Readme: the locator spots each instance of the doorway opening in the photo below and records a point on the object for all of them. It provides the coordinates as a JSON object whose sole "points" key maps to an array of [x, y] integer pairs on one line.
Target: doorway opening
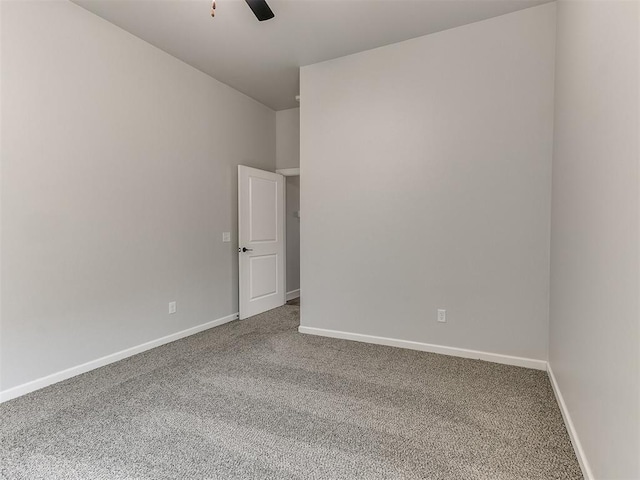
{"points": [[292, 234]]}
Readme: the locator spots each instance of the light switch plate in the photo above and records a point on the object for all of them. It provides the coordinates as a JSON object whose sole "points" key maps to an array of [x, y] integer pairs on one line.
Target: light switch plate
{"points": [[226, 236]]}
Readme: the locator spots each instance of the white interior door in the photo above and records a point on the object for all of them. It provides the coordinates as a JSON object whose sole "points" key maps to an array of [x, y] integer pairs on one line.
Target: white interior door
{"points": [[260, 240]]}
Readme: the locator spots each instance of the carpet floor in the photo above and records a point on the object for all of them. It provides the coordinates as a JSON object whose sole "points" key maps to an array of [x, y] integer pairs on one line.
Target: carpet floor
{"points": [[257, 399]]}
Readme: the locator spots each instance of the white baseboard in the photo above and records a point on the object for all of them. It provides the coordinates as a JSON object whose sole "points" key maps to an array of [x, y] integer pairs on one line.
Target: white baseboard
{"points": [[293, 294], [573, 435], [427, 347], [106, 360]]}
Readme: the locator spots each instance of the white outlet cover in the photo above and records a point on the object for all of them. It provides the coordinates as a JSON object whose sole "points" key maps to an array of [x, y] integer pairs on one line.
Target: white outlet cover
{"points": [[442, 315], [173, 307]]}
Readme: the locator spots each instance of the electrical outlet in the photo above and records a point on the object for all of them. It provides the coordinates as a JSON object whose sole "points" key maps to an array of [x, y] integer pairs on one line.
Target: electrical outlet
{"points": [[173, 307], [442, 315], [226, 236]]}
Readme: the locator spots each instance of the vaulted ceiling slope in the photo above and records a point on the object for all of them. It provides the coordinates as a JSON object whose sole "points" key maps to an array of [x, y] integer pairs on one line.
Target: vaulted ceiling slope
{"points": [[262, 59]]}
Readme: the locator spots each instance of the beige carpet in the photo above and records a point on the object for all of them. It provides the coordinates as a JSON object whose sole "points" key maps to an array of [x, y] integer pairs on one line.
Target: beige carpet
{"points": [[256, 399]]}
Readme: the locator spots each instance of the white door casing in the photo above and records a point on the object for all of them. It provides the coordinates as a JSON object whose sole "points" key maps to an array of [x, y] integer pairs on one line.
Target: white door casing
{"points": [[260, 241]]}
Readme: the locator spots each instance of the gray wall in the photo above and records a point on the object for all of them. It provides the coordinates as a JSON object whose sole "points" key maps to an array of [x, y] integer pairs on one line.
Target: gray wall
{"points": [[118, 179], [594, 347], [288, 156], [426, 184], [288, 138]]}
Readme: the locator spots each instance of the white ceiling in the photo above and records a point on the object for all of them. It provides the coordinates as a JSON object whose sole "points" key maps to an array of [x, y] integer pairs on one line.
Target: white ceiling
{"points": [[261, 59]]}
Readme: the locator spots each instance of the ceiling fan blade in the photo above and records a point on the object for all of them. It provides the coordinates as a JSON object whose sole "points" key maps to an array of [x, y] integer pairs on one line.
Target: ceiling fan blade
{"points": [[260, 9]]}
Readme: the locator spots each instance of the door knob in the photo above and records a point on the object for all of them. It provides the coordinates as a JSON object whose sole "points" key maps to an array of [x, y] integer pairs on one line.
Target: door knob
{"points": [[245, 249]]}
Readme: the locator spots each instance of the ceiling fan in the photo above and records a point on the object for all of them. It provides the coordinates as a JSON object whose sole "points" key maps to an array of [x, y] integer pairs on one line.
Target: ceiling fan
{"points": [[259, 8]]}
